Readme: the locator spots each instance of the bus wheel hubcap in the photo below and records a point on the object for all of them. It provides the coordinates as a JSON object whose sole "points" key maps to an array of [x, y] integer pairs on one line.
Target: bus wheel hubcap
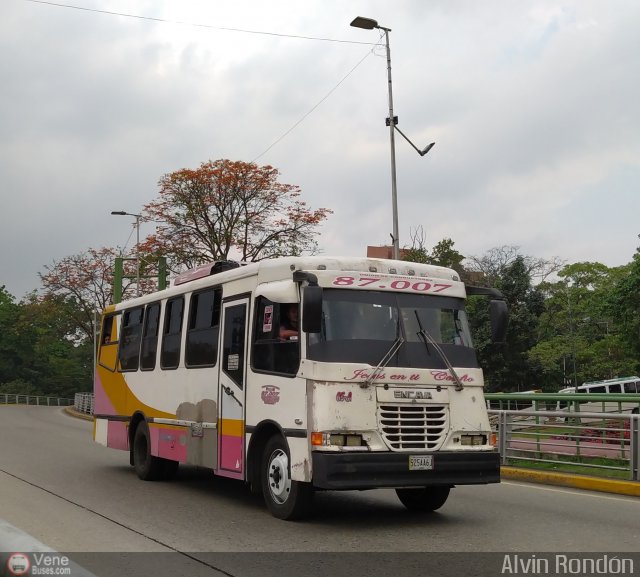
{"points": [[279, 481]]}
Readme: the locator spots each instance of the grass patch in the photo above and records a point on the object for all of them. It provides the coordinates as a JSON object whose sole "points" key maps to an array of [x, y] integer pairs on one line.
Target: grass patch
{"points": [[542, 432], [577, 465]]}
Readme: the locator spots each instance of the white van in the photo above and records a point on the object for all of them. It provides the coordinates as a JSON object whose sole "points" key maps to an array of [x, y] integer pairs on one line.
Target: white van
{"points": [[619, 385]]}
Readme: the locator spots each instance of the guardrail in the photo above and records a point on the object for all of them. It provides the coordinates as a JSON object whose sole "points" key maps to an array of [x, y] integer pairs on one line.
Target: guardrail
{"points": [[593, 443], [83, 403], [571, 402], [7, 399]]}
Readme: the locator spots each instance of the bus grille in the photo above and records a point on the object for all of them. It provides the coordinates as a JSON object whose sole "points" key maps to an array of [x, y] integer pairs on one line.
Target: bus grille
{"points": [[411, 427]]}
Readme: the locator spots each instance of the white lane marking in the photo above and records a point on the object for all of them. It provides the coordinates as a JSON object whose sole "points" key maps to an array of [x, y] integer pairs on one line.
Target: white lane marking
{"points": [[581, 492]]}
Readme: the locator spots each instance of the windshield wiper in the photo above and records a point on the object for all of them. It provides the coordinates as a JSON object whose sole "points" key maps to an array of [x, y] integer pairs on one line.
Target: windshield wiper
{"points": [[395, 347], [429, 340]]}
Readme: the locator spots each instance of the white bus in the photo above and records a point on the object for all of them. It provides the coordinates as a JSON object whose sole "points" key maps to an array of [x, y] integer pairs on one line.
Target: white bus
{"points": [[378, 387], [608, 386], [618, 385]]}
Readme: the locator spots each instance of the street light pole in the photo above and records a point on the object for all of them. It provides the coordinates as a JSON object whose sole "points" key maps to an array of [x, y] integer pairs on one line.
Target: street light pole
{"points": [[392, 121], [137, 225]]}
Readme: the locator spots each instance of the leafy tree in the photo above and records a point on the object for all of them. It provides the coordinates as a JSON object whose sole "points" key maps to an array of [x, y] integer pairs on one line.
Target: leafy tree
{"points": [[442, 254], [507, 366], [223, 207], [492, 264], [41, 354], [61, 363], [579, 339], [11, 359], [85, 280], [623, 304]]}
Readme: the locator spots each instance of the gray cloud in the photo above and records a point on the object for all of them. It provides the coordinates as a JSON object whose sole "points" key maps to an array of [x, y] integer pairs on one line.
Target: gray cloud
{"points": [[532, 104]]}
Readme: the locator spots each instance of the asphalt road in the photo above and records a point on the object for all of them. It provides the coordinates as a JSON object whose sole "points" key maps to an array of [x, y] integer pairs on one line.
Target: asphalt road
{"points": [[74, 495]]}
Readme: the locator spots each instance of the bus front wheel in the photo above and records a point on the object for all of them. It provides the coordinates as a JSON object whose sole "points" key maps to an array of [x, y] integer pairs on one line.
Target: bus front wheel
{"points": [[423, 499], [285, 498]]}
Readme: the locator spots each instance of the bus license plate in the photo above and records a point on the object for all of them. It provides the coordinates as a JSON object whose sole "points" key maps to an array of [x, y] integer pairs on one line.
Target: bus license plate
{"points": [[420, 462]]}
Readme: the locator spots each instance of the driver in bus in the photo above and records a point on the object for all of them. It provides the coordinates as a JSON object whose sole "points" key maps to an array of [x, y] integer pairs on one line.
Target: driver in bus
{"points": [[289, 323]]}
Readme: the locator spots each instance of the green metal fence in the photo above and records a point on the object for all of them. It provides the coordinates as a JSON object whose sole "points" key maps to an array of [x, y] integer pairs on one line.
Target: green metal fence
{"points": [[591, 434]]}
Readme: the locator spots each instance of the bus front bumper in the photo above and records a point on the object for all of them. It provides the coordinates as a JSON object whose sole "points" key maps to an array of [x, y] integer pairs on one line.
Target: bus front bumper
{"points": [[341, 471]]}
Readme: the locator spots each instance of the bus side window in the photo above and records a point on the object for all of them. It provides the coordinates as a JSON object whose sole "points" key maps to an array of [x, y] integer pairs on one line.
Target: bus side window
{"points": [[109, 341], [172, 334], [149, 346], [110, 327], [201, 349], [271, 353], [129, 350]]}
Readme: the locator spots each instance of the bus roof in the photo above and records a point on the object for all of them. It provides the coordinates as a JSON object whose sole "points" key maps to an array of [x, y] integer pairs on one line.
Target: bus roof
{"points": [[270, 270]]}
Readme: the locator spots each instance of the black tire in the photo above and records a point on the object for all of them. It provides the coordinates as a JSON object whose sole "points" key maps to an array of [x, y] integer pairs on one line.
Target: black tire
{"points": [[423, 499], [169, 469], [148, 467], [285, 499]]}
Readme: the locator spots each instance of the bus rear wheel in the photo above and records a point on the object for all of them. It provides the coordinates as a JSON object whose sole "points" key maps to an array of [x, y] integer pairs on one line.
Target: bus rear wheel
{"points": [[148, 467], [285, 498], [423, 499]]}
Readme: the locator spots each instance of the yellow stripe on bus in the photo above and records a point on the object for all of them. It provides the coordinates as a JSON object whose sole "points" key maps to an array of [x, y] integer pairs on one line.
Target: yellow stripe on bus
{"points": [[231, 427]]}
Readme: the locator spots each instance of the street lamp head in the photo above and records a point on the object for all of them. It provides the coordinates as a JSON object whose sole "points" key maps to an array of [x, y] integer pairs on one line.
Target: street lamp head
{"points": [[120, 212], [426, 149], [366, 23]]}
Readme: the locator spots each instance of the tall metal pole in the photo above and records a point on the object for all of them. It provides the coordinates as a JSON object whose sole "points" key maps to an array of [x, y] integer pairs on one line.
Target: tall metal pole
{"points": [[118, 283], [137, 255], [392, 122]]}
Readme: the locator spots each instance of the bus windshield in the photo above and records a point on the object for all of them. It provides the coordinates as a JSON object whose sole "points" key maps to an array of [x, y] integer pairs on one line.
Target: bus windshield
{"points": [[360, 326]]}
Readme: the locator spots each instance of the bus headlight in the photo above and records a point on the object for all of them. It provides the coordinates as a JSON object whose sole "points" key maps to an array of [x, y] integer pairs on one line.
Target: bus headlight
{"points": [[473, 440], [336, 440]]}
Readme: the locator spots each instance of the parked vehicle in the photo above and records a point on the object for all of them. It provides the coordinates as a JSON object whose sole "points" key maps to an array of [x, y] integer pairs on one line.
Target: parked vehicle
{"points": [[619, 385]]}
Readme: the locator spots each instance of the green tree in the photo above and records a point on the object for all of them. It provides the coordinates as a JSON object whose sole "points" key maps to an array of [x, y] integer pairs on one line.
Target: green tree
{"points": [[442, 254], [62, 356], [579, 339], [40, 352], [11, 340], [623, 304], [507, 366]]}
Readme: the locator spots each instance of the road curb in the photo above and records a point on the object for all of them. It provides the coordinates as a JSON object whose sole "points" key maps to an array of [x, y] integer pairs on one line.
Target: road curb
{"points": [[631, 488], [73, 413]]}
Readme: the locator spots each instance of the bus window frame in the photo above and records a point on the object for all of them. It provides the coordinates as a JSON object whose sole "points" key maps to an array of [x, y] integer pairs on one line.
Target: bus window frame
{"points": [[274, 341], [217, 298], [115, 319], [165, 325], [121, 339], [156, 336]]}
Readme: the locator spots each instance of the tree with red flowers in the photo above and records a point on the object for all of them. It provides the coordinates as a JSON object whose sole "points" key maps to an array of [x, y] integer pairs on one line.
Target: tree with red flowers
{"points": [[229, 209], [86, 280]]}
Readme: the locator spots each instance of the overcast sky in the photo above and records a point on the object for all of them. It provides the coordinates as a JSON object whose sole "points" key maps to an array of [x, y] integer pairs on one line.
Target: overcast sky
{"points": [[534, 108]]}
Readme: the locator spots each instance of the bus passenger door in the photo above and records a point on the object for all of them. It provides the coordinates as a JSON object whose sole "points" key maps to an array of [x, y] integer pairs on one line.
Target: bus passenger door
{"points": [[232, 389]]}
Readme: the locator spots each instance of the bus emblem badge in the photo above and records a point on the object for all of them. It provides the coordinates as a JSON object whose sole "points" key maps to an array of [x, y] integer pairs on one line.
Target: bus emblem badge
{"points": [[412, 394], [270, 394]]}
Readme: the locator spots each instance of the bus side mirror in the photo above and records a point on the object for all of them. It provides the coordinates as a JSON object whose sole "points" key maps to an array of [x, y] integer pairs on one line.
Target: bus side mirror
{"points": [[312, 309], [499, 320]]}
